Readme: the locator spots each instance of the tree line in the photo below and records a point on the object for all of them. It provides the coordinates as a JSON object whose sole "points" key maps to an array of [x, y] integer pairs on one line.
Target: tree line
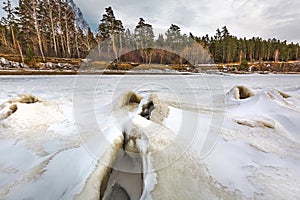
{"points": [[227, 48], [56, 28], [140, 45], [45, 28]]}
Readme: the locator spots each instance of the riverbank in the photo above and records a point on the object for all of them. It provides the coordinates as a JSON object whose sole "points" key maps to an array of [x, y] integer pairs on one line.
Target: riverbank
{"points": [[94, 72], [61, 66], [117, 72]]}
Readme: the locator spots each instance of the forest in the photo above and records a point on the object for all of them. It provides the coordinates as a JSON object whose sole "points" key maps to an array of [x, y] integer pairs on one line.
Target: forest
{"points": [[57, 28]]}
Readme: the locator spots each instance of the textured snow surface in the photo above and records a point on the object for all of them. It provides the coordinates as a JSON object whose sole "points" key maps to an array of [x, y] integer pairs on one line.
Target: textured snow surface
{"points": [[48, 153]]}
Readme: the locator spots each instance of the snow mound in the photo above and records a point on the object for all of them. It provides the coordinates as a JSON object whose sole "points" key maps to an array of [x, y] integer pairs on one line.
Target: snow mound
{"points": [[274, 104], [268, 99], [26, 98], [29, 112], [261, 139], [240, 92], [10, 107], [127, 99]]}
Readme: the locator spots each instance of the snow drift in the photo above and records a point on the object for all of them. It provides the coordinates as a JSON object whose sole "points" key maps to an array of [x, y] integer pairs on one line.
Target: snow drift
{"points": [[11, 106], [261, 141]]}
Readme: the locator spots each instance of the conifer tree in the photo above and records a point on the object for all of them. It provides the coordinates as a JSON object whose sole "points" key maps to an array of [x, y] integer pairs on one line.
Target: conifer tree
{"points": [[144, 37], [110, 27]]}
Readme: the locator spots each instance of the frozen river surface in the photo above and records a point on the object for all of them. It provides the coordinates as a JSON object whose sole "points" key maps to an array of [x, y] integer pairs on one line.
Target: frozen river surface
{"points": [[171, 137]]}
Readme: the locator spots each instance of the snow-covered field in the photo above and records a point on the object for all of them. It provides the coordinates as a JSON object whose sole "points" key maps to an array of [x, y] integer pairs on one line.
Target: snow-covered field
{"points": [[172, 137]]}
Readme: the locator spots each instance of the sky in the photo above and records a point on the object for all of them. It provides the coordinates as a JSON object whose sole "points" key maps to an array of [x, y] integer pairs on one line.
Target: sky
{"points": [[243, 18]]}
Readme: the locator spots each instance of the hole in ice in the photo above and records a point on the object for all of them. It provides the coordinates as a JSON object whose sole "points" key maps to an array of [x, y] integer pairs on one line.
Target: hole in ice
{"points": [[147, 109]]}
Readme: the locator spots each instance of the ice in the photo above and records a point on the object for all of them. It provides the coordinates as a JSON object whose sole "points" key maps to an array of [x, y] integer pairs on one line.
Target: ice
{"points": [[65, 176], [47, 151]]}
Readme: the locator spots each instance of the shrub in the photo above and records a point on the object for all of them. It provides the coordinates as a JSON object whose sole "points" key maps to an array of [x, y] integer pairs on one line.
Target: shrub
{"points": [[243, 66]]}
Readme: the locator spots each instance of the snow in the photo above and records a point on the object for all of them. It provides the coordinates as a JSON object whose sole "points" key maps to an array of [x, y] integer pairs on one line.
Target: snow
{"points": [[65, 183], [49, 152], [260, 134]]}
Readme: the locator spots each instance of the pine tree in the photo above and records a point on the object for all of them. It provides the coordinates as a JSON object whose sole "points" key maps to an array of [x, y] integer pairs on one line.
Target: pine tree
{"points": [[110, 27], [144, 37], [174, 39], [9, 20], [160, 42], [144, 34], [10, 23], [129, 42]]}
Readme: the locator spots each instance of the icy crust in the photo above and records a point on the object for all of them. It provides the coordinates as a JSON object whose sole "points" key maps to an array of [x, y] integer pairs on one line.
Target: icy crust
{"points": [[259, 152], [139, 128], [96, 183], [257, 156], [30, 122], [271, 109], [165, 165], [41, 155]]}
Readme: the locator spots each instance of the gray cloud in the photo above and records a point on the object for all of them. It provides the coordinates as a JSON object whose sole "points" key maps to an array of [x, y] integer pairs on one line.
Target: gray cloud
{"points": [[267, 18]]}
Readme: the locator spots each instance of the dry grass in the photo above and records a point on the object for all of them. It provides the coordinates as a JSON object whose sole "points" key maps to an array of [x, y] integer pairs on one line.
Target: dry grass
{"points": [[100, 65], [152, 66]]}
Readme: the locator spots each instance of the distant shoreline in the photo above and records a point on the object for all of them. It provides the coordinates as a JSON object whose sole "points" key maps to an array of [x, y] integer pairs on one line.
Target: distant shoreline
{"points": [[116, 72], [62, 66], [68, 72]]}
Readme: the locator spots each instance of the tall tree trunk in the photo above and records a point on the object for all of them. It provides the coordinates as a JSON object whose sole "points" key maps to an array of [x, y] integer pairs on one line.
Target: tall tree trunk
{"points": [[67, 36], [20, 51], [241, 55], [276, 55], [251, 54], [161, 57], [61, 30], [268, 54], [114, 46], [77, 47], [121, 45], [3, 37], [57, 43], [99, 47], [53, 30], [37, 29], [13, 37]]}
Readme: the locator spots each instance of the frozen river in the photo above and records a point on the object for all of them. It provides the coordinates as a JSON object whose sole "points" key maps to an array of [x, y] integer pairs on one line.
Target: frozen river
{"points": [[171, 137]]}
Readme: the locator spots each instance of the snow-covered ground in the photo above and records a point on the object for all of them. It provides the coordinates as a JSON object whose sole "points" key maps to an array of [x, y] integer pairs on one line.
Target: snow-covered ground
{"points": [[185, 137]]}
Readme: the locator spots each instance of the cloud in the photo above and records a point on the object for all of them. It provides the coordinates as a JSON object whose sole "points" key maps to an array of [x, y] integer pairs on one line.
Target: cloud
{"points": [[267, 19]]}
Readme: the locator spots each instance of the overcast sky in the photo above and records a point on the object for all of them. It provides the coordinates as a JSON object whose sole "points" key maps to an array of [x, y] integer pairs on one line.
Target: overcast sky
{"points": [[265, 18]]}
